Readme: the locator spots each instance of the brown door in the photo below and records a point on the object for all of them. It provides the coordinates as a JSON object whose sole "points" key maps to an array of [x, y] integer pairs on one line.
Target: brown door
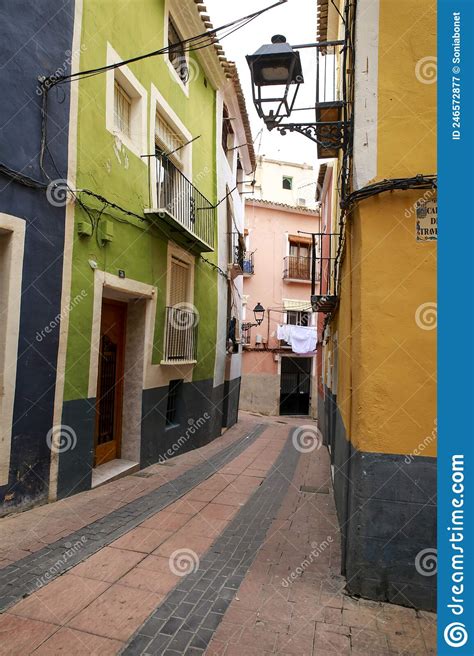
{"points": [[108, 427]]}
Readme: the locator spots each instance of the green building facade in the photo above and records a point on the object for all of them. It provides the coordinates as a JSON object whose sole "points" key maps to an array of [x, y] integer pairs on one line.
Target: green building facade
{"points": [[138, 348]]}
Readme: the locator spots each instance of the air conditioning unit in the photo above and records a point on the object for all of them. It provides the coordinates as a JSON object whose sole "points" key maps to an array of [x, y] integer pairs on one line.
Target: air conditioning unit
{"points": [[258, 339], [302, 202]]}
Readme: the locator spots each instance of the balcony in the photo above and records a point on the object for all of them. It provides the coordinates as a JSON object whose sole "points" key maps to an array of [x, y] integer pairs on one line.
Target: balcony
{"points": [[236, 254], [187, 216], [247, 264], [297, 268], [330, 104], [180, 336], [328, 272]]}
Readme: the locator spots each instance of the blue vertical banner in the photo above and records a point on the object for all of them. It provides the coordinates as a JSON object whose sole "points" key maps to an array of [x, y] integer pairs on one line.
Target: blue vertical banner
{"points": [[455, 327]]}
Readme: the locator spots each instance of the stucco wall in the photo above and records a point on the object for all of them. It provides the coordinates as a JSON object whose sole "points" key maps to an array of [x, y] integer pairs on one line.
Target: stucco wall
{"points": [[29, 47]]}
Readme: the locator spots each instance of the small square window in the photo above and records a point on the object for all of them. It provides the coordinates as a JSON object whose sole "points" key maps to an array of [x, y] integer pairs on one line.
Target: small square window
{"points": [[287, 182], [122, 109], [172, 404], [176, 53]]}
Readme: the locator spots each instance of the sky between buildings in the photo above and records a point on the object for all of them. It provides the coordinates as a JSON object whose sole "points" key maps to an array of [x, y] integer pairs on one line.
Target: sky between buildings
{"points": [[297, 21]]}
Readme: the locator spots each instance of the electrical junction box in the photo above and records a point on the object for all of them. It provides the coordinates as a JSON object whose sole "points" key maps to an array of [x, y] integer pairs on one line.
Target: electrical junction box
{"points": [[106, 230], [84, 229]]}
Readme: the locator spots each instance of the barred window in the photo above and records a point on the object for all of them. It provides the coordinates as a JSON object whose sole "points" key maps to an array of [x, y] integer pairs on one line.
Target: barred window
{"points": [[172, 402]]}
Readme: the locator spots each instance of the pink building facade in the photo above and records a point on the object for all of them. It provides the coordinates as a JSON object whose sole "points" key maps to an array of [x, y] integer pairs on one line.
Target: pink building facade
{"points": [[275, 379]]}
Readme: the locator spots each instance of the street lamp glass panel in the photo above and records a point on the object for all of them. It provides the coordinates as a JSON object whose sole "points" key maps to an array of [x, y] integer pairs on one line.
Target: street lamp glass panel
{"points": [[274, 75]]}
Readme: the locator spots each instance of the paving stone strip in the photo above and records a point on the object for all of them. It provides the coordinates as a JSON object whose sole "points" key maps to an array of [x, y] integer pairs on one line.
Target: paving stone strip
{"points": [[187, 619], [32, 572]]}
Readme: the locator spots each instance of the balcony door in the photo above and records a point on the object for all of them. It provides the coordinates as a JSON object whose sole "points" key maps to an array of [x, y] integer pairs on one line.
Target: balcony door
{"points": [[299, 262], [109, 402]]}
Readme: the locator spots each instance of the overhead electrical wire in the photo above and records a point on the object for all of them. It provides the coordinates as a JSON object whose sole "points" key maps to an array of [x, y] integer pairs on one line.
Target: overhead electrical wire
{"points": [[194, 42]]}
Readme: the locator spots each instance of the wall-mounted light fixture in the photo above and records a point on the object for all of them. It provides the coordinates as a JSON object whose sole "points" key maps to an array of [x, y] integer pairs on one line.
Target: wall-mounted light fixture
{"points": [[258, 313]]}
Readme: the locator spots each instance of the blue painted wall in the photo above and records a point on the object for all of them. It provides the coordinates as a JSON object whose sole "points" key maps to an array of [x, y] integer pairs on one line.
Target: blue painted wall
{"points": [[35, 39]]}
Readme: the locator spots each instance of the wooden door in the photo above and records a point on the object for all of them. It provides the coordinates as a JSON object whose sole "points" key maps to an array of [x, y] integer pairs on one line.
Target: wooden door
{"points": [[109, 403]]}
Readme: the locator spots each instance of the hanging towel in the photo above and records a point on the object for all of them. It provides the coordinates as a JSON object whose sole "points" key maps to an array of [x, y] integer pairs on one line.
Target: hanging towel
{"points": [[283, 333], [302, 339]]}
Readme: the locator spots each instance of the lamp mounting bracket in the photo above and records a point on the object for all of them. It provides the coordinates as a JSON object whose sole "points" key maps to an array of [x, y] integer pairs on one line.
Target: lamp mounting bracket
{"points": [[328, 135]]}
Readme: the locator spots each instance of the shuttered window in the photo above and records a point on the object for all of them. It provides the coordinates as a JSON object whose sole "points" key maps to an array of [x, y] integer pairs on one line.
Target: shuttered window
{"points": [[179, 284], [122, 109]]}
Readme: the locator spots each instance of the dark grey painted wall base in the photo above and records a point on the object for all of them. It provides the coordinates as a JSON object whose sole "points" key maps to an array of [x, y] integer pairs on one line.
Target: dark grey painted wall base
{"points": [[202, 410], [386, 506]]}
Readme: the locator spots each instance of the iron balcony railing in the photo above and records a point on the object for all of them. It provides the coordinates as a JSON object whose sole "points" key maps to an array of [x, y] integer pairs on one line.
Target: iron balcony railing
{"points": [[180, 335], [248, 264], [237, 250], [327, 271], [179, 198], [297, 267], [330, 100]]}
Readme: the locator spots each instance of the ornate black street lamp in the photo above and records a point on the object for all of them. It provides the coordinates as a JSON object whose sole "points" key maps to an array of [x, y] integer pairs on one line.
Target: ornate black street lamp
{"points": [[277, 65], [258, 313]]}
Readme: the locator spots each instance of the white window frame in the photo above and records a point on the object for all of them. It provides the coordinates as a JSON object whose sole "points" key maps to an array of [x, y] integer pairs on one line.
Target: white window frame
{"points": [[170, 14], [158, 105], [124, 77], [10, 319]]}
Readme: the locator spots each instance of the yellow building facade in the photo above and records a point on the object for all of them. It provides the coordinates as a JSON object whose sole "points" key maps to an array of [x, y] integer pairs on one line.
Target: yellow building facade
{"points": [[377, 367]]}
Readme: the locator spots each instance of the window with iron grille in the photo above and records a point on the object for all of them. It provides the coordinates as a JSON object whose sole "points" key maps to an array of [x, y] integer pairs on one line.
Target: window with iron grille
{"points": [[298, 318], [247, 336], [176, 53], [174, 390], [122, 109]]}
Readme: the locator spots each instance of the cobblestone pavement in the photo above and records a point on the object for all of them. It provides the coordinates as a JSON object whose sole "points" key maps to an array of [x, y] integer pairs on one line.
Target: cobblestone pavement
{"points": [[238, 554]]}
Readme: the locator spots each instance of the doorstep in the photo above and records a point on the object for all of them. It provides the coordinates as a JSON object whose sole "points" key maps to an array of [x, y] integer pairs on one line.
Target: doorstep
{"points": [[112, 470]]}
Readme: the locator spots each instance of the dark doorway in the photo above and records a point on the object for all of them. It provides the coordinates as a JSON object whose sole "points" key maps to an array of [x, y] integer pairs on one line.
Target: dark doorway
{"points": [[295, 386], [110, 382]]}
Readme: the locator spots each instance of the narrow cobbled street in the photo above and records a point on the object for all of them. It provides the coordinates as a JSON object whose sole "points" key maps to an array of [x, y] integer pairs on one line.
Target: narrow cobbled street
{"points": [[230, 549]]}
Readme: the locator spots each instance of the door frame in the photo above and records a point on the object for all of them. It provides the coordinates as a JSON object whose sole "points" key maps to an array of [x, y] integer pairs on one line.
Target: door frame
{"points": [[310, 378], [108, 286]]}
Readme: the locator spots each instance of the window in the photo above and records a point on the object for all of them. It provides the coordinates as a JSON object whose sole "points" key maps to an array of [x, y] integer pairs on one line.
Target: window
{"points": [[298, 318], [169, 151], [300, 247], [176, 54], [247, 337], [227, 131], [126, 107], [168, 140], [287, 182], [179, 287], [122, 109], [181, 317], [174, 390]]}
